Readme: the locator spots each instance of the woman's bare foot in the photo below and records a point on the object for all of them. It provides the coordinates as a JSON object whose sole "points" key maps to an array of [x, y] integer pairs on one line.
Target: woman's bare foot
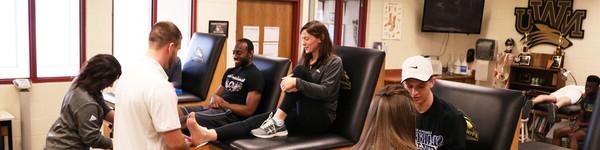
{"points": [[200, 135]]}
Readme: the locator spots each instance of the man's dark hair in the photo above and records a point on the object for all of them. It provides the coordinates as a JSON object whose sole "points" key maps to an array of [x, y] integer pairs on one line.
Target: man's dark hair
{"points": [[593, 79], [249, 45]]}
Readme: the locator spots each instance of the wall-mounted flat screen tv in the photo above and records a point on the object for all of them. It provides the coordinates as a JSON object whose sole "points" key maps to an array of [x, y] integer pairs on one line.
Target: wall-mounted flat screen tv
{"points": [[452, 16]]}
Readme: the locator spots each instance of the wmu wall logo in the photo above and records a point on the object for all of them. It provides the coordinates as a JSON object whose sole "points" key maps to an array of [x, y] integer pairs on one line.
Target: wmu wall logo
{"points": [[545, 20]]}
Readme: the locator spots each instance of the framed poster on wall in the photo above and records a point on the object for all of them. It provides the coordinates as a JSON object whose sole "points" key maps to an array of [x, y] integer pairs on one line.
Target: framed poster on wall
{"points": [[392, 21], [218, 27]]}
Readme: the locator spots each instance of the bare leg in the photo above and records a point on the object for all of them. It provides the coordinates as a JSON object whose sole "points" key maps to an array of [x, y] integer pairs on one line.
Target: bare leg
{"points": [[575, 137], [559, 133], [544, 99], [200, 135], [180, 112], [182, 118]]}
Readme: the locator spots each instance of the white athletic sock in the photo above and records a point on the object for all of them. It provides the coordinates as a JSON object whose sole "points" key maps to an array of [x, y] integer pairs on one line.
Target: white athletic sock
{"points": [[278, 121]]}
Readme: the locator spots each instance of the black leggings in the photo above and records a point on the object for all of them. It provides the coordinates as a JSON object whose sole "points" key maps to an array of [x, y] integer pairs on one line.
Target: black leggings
{"points": [[210, 118], [304, 115]]}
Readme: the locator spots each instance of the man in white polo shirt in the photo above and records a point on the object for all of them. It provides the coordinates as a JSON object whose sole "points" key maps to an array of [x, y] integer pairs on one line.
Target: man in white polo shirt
{"points": [[146, 109]]}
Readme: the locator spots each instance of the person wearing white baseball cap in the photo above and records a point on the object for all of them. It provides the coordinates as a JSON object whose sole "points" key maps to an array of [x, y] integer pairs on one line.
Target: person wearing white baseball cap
{"points": [[439, 124]]}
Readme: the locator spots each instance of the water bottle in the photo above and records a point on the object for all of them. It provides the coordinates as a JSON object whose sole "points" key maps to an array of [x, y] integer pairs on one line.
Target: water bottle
{"points": [[464, 67], [457, 66]]}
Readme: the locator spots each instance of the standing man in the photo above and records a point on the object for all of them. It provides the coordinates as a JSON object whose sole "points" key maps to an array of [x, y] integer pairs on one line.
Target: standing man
{"points": [[146, 110], [439, 124]]}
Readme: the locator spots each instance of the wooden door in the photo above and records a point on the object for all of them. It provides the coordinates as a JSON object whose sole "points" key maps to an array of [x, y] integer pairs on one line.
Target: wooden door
{"points": [[270, 13]]}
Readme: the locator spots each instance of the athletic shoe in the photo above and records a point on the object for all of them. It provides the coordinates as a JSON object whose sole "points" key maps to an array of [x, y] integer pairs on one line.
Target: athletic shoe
{"points": [[270, 129], [552, 113], [526, 109]]}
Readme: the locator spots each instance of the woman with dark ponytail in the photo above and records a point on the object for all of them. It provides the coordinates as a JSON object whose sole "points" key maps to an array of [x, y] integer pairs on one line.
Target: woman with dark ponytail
{"points": [[83, 107]]}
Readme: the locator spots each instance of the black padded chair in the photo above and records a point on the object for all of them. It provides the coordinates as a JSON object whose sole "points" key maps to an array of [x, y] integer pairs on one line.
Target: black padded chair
{"points": [[363, 67], [197, 73], [273, 69], [495, 112], [593, 134], [591, 139]]}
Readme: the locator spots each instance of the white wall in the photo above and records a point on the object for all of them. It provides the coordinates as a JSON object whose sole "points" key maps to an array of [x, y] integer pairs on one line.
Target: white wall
{"points": [[46, 98], [304, 18], [224, 10], [498, 23], [99, 28], [9, 102], [582, 58]]}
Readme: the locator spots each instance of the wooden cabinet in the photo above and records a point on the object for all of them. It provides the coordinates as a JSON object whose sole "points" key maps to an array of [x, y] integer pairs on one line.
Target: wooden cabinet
{"points": [[536, 76], [469, 79], [6, 135], [393, 76]]}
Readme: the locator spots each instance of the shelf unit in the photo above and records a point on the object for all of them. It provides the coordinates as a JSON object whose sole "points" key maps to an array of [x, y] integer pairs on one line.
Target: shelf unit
{"points": [[522, 77]]}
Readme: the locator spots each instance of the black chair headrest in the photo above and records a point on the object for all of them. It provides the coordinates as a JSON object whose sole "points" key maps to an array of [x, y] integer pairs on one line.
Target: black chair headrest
{"points": [[203, 56], [363, 67], [495, 112], [273, 69]]}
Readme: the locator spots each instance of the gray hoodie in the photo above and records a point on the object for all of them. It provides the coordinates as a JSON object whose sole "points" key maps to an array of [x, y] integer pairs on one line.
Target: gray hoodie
{"points": [[78, 126]]}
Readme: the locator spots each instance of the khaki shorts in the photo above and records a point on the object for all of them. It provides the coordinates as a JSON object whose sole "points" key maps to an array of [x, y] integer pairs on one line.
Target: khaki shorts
{"points": [[573, 92]]}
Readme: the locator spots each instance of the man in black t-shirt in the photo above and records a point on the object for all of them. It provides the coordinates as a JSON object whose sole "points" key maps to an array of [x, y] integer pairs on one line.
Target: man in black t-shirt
{"points": [[239, 94], [577, 131], [440, 126]]}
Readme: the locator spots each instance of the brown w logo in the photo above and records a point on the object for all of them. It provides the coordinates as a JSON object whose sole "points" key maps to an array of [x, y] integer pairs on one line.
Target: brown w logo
{"points": [[546, 35]]}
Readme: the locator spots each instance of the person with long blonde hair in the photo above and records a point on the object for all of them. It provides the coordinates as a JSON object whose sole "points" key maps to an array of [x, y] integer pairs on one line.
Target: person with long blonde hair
{"points": [[390, 122]]}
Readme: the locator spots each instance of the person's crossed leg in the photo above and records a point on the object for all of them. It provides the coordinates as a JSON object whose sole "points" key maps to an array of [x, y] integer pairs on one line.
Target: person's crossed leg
{"points": [[565, 96]]}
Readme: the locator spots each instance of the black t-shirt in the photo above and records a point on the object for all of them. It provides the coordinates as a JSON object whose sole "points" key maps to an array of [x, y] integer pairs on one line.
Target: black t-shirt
{"points": [[587, 105], [442, 127], [238, 81]]}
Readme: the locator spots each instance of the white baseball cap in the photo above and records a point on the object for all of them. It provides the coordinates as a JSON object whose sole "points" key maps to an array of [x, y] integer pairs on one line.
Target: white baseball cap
{"points": [[417, 67]]}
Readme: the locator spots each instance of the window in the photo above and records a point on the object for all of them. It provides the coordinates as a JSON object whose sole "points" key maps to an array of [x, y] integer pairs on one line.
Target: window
{"points": [[345, 20], [131, 24], [326, 14], [14, 58], [132, 21], [57, 38], [180, 13], [44, 43], [350, 23]]}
